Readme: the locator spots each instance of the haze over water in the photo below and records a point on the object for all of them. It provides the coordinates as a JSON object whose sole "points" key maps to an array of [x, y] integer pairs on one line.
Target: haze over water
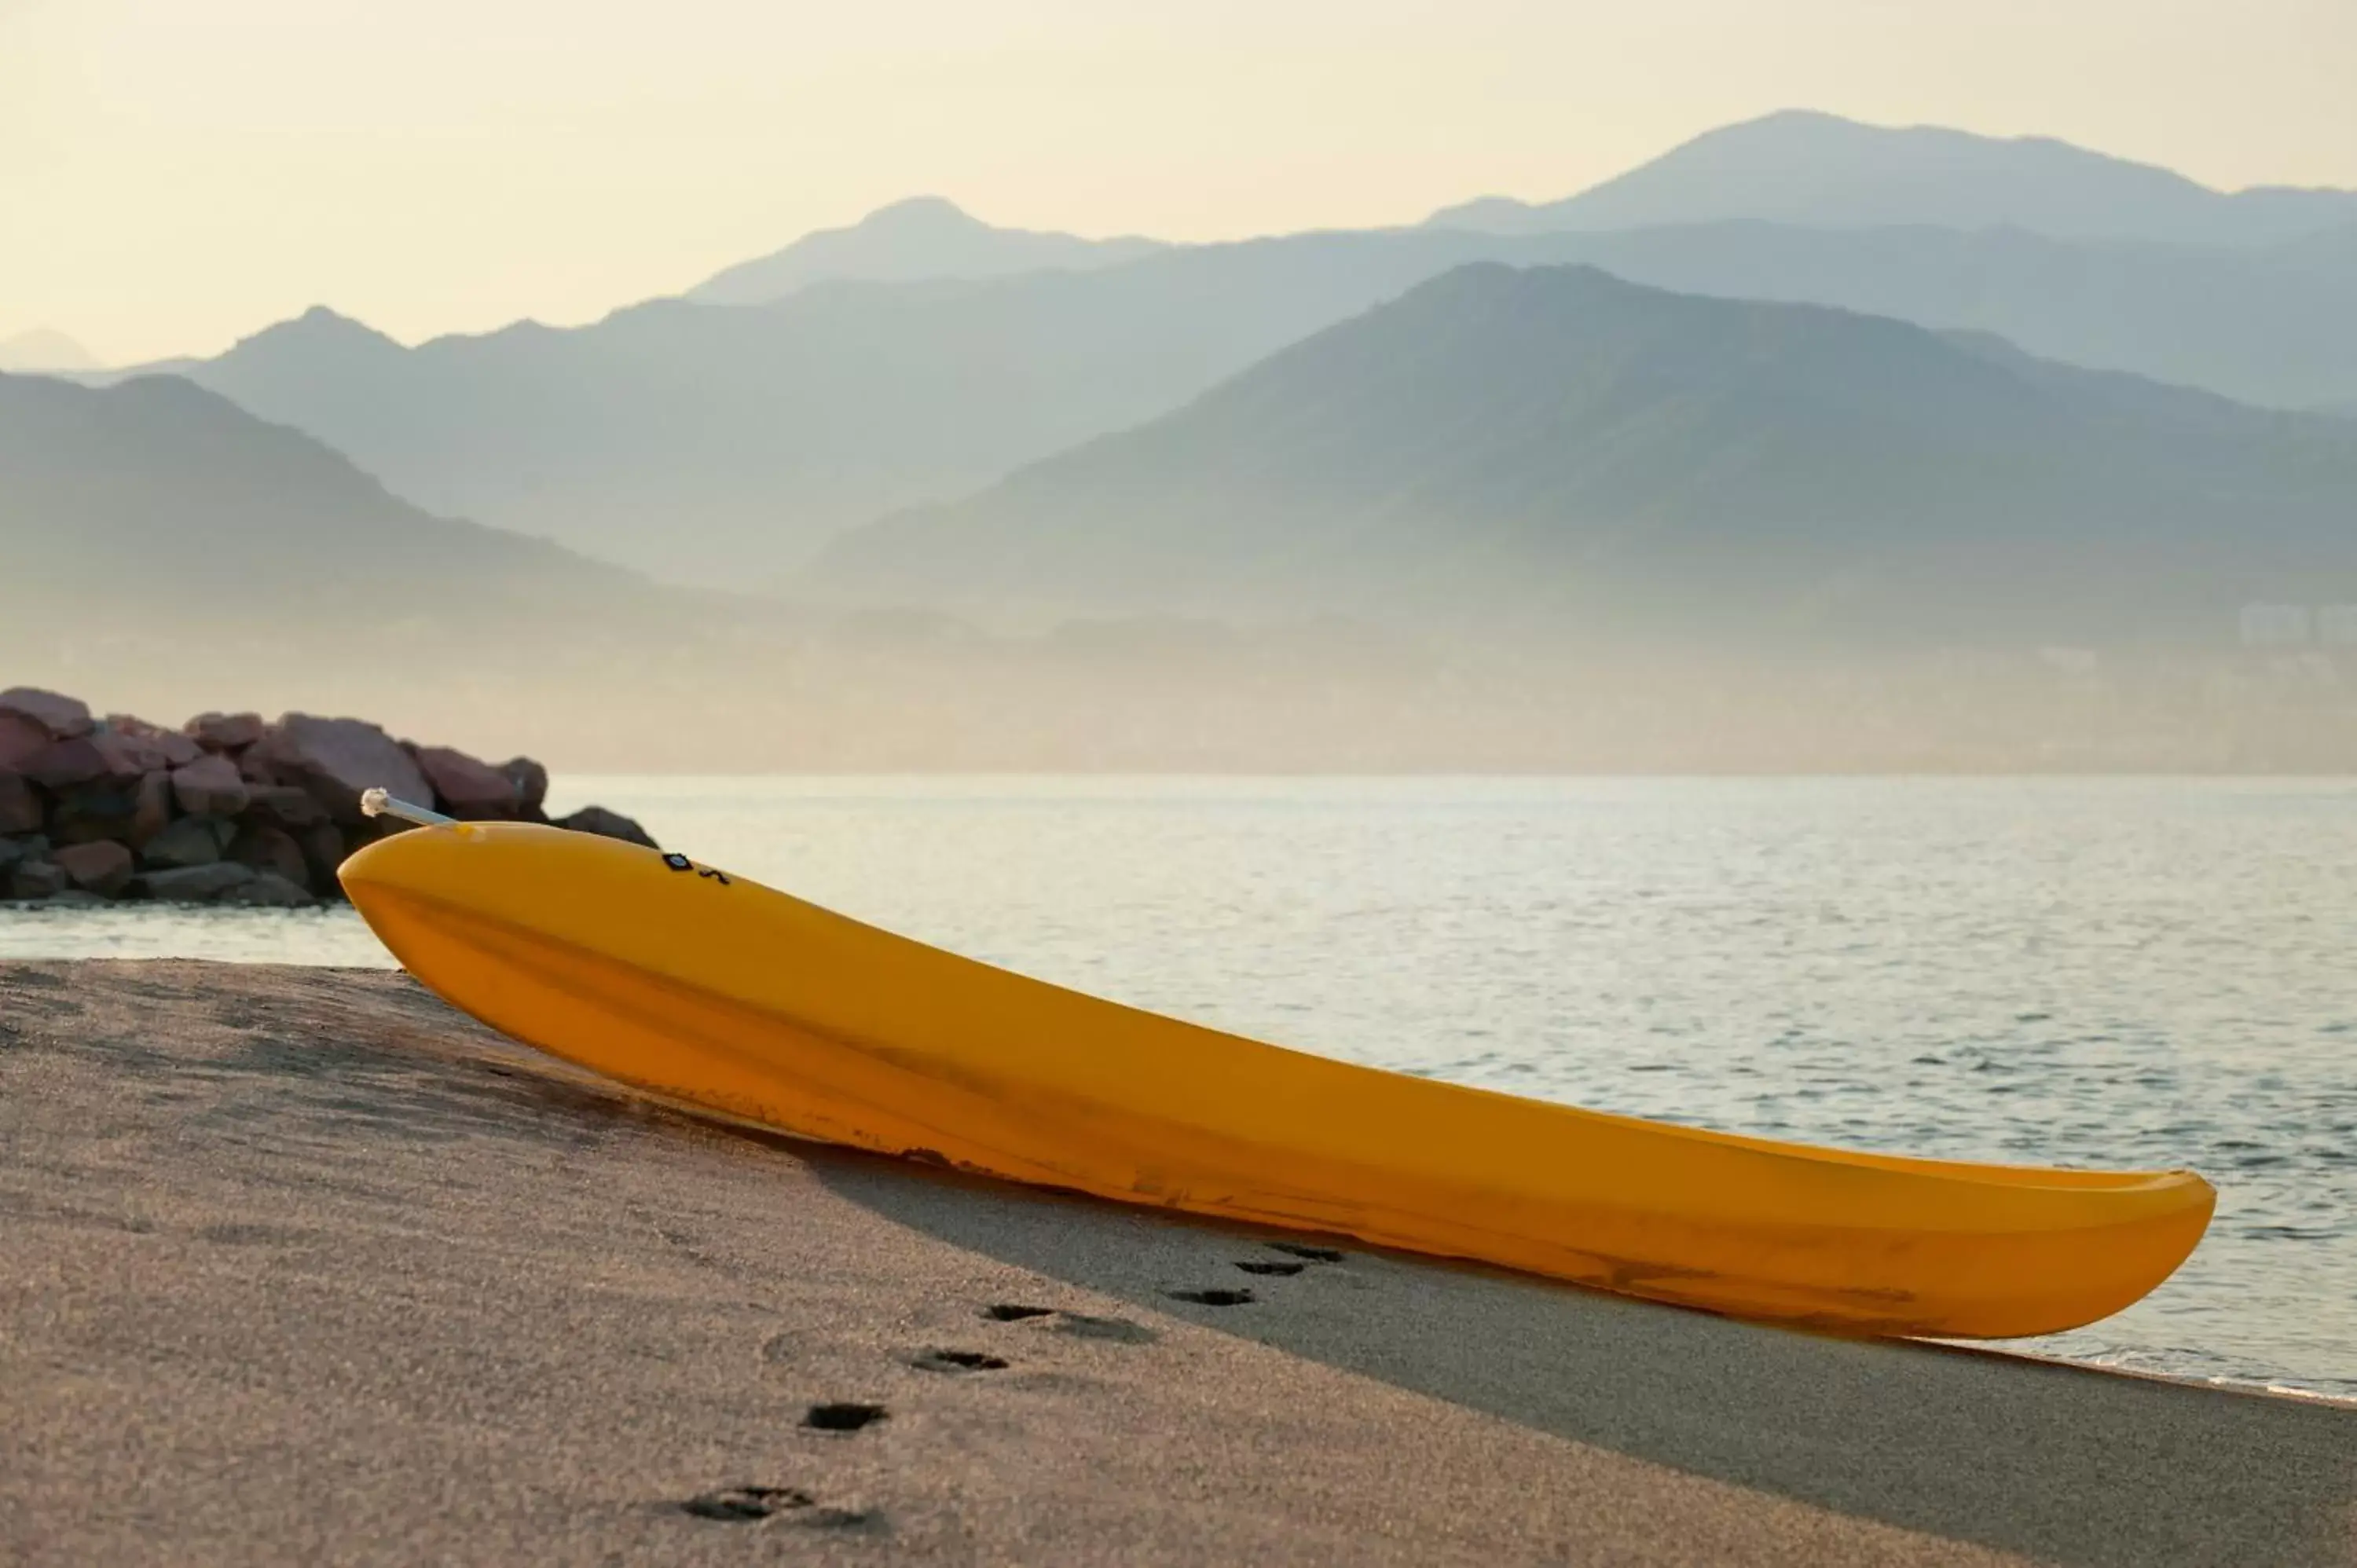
{"points": [[2124, 972]]}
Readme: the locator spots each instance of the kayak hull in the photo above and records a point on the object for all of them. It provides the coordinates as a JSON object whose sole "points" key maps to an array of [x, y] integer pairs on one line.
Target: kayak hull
{"points": [[712, 990]]}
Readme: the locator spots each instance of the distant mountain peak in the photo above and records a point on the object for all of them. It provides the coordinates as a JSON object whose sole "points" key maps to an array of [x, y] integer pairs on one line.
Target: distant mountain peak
{"points": [[322, 318], [43, 349], [920, 237], [318, 330], [921, 209], [1808, 167]]}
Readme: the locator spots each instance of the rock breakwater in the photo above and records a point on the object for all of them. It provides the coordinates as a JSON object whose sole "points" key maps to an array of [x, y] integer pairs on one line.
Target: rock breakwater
{"points": [[226, 808]]}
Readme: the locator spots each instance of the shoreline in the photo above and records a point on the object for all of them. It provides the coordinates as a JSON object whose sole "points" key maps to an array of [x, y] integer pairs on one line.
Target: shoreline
{"points": [[307, 1267], [2238, 1386], [248, 937]]}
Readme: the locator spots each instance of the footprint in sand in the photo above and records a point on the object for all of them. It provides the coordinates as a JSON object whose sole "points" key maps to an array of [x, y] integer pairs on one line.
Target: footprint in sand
{"points": [[958, 1362], [843, 1415], [752, 1505], [1120, 1330], [1213, 1297], [1080, 1325], [743, 1505]]}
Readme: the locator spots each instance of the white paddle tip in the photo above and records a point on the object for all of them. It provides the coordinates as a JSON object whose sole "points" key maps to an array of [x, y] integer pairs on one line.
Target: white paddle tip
{"points": [[378, 802]]}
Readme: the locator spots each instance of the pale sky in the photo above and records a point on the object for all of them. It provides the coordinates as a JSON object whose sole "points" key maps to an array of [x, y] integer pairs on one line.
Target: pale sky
{"points": [[174, 174]]}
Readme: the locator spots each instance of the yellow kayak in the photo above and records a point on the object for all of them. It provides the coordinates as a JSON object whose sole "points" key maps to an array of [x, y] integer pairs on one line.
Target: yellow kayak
{"points": [[707, 989]]}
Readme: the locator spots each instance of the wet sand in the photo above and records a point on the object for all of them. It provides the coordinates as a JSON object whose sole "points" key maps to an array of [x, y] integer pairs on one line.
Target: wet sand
{"points": [[299, 1266]]}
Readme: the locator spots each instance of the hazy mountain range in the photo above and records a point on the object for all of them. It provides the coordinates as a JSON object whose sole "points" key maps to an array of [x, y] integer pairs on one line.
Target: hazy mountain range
{"points": [[922, 238], [920, 355], [704, 443], [155, 502], [1589, 455], [1819, 170], [1387, 497], [1577, 456]]}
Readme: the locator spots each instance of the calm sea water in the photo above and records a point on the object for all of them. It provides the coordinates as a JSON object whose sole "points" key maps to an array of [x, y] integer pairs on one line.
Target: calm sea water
{"points": [[2091, 972]]}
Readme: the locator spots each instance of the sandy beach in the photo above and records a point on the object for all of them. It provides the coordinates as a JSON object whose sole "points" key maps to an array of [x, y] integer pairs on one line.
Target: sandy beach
{"points": [[299, 1266]]}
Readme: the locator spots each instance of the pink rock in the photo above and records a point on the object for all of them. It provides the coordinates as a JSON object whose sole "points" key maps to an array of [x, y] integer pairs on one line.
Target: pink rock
{"points": [[153, 812], [178, 749], [268, 890], [61, 718], [271, 850], [103, 756], [224, 731], [253, 766], [128, 756], [211, 786], [20, 809], [193, 884], [62, 764], [285, 805], [323, 852], [531, 782], [20, 739], [335, 759], [191, 840], [468, 789], [102, 868], [99, 810], [607, 825]]}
